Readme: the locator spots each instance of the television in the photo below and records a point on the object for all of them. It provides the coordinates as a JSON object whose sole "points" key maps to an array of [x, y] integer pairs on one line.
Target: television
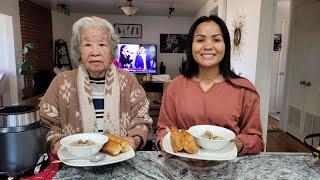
{"points": [[137, 58]]}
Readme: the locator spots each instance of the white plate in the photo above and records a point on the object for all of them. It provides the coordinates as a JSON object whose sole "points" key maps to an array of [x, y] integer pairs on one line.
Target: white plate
{"points": [[64, 154], [227, 153]]}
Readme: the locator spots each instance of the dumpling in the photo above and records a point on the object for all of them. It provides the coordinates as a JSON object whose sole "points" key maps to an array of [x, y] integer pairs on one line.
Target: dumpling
{"points": [[189, 143], [182, 140], [115, 145]]}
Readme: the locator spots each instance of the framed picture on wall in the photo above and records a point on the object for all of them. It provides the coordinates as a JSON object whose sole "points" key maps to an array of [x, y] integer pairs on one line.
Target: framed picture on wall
{"points": [[173, 43], [128, 30], [277, 42]]}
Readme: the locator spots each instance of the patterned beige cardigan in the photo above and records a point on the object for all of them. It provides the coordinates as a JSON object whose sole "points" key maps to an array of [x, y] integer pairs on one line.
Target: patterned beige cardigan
{"points": [[68, 106]]}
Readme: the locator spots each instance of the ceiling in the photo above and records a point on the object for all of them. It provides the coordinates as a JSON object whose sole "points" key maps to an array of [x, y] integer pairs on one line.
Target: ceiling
{"points": [[185, 8]]}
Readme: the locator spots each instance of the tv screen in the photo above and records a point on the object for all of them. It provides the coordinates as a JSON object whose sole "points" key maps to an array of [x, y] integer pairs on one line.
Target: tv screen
{"points": [[137, 58]]}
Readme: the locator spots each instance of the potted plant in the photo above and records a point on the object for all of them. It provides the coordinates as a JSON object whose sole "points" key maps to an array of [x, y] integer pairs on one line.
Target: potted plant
{"points": [[26, 56]]}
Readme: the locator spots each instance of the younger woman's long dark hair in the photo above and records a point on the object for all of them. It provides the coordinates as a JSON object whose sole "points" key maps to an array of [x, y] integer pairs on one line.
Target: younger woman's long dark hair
{"points": [[192, 67]]}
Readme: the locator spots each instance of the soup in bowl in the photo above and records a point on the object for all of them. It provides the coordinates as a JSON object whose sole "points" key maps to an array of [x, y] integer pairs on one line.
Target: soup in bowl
{"points": [[211, 137], [84, 145]]}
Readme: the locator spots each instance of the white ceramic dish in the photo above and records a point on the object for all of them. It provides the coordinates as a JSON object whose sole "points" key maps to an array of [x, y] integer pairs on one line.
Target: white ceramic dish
{"points": [[208, 144], [64, 154], [86, 151], [229, 152]]}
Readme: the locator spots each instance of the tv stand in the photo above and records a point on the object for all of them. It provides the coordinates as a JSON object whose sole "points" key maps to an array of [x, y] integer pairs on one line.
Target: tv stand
{"points": [[153, 86]]}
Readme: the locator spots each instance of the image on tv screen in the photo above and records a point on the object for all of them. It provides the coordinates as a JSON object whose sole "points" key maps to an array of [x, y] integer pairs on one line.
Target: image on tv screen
{"points": [[137, 58]]}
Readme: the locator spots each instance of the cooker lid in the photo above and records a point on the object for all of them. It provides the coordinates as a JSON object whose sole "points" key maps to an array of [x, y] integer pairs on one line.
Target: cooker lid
{"points": [[13, 116]]}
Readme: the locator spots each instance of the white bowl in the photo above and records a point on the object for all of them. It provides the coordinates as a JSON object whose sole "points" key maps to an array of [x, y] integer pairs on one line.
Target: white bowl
{"points": [[86, 151], [208, 144]]}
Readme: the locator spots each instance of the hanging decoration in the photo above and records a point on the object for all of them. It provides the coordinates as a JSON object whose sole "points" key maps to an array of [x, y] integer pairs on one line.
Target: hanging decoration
{"points": [[238, 35], [129, 9]]}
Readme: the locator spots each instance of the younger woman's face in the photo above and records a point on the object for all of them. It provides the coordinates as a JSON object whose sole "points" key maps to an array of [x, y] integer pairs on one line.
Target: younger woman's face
{"points": [[208, 47]]}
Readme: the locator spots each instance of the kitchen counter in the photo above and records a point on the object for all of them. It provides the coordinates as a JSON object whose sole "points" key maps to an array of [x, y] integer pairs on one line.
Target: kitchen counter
{"points": [[153, 165]]}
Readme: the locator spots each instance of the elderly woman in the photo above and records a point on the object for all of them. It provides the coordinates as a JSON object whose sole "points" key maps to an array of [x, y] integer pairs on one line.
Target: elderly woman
{"points": [[96, 97]]}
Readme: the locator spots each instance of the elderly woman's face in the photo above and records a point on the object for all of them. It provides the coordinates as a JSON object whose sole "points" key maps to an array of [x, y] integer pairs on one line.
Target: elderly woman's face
{"points": [[95, 50]]}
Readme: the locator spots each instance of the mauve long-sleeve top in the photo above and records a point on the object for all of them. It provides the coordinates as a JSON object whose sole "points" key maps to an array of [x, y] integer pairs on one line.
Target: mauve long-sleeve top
{"points": [[185, 104]]}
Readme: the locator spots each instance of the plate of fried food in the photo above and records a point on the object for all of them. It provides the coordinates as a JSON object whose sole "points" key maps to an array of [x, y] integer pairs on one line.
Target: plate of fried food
{"points": [[116, 149], [181, 143]]}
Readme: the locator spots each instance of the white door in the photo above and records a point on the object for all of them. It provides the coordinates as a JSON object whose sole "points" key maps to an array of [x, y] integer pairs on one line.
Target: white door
{"points": [[304, 97], [312, 102], [282, 65]]}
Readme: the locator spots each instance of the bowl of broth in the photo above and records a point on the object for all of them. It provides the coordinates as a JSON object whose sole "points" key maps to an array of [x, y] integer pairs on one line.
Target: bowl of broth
{"points": [[210, 137], [84, 145]]}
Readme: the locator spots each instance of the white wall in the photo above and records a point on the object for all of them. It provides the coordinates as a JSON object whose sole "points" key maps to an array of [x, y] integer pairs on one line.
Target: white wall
{"points": [[10, 44], [152, 27], [283, 12], [256, 53], [245, 60], [5, 37], [210, 5]]}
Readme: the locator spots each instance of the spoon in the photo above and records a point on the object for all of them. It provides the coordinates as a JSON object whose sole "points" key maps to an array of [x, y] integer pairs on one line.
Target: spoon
{"points": [[95, 158], [233, 140]]}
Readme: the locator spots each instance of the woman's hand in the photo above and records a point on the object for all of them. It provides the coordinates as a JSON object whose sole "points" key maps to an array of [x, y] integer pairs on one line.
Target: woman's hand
{"points": [[160, 144], [134, 141], [55, 149], [239, 144]]}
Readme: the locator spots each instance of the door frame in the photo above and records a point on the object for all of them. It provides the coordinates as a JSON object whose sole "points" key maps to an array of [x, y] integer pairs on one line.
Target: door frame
{"points": [[289, 64], [282, 63]]}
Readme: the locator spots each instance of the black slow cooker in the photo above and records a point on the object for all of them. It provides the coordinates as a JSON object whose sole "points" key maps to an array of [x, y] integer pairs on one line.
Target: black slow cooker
{"points": [[22, 139]]}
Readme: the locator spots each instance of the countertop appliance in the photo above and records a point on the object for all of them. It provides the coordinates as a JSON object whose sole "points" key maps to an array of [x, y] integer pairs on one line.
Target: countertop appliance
{"points": [[22, 139]]}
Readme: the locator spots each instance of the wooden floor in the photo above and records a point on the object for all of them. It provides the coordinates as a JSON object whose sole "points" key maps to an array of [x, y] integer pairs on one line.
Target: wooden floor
{"points": [[282, 142]]}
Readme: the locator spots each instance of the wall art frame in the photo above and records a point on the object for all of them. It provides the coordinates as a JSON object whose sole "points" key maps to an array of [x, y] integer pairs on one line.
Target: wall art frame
{"points": [[173, 43], [238, 35], [128, 30], [277, 42]]}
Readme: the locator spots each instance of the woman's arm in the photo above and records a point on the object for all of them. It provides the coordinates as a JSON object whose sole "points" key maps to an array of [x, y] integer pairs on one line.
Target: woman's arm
{"points": [[167, 115], [250, 128], [50, 112]]}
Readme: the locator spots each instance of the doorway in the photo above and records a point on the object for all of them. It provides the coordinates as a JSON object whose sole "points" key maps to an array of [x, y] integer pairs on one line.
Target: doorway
{"points": [[277, 91], [303, 105]]}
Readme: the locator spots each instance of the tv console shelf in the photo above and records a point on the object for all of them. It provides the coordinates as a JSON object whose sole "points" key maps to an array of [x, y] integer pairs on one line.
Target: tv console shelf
{"points": [[153, 86]]}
